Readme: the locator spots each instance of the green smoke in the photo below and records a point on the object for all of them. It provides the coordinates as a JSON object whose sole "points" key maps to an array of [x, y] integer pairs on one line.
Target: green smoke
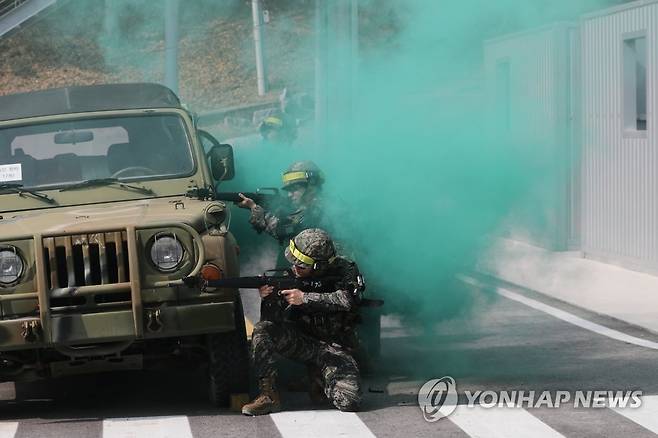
{"points": [[418, 177], [422, 177]]}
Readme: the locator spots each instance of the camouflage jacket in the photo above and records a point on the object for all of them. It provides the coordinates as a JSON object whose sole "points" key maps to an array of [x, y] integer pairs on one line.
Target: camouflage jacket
{"points": [[283, 226], [332, 315]]}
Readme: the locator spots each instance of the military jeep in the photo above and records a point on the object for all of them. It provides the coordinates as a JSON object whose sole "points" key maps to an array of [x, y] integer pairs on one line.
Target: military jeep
{"points": [[106, 204]]}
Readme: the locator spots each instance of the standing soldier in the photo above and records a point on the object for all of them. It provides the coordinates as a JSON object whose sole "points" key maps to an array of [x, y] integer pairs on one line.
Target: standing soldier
{"points": [[303, 181], [321, 331]]}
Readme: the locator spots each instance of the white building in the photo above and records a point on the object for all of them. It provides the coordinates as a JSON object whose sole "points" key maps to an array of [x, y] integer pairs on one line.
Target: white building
{"points": [[530, 79], [586, 92]]}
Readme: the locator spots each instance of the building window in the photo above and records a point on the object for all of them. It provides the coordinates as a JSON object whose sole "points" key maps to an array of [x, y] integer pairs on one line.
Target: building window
{"points": [[635, 84]]}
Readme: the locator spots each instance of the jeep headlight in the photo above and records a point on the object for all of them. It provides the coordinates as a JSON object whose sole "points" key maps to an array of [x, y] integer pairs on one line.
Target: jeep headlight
{"points": [[11, 266], [166, 252]]}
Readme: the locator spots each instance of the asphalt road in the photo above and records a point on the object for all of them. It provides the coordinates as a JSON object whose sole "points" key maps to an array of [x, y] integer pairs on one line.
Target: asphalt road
{"points": [[500, 344]]}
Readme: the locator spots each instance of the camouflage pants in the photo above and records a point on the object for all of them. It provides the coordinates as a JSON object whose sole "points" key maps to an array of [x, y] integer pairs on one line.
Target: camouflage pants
{"points": [[340, 374]]}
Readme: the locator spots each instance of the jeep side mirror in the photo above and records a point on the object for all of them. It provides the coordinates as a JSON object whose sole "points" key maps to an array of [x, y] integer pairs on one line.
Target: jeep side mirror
{"points": [[221, 162], [220, 156]]}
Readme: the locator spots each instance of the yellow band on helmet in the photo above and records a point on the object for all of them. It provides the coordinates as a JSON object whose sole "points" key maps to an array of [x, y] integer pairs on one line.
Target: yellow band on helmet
{"points": [[300, 255], [294, 176], [273, 121]]}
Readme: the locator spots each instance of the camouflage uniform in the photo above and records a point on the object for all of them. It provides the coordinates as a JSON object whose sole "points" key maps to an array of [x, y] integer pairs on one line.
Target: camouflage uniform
{"points": [[283, 227], [321, 334]]}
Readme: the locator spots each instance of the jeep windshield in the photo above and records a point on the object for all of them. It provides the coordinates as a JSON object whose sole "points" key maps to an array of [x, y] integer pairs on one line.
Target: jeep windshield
{"points": [[64, 153]]}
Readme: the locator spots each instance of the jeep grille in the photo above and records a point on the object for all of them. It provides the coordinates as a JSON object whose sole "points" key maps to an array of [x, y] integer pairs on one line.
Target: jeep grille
{"points": [[86, 259]]}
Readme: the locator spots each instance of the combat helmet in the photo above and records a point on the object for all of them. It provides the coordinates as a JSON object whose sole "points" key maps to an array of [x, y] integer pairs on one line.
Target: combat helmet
{"points": [[311, 247], [304, 172], [280, 122]]}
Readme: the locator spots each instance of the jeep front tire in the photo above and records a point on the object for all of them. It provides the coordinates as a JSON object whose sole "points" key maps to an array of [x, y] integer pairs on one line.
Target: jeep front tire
{"points": [[228, 361]]}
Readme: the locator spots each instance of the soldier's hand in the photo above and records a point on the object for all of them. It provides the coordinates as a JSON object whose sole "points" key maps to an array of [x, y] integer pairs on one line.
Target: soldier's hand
{"points": [[246, 202], [265, 291], [294, 297]]}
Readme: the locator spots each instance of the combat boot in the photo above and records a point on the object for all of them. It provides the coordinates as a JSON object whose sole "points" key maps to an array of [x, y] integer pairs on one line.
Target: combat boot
{"points": [[268, 401]]}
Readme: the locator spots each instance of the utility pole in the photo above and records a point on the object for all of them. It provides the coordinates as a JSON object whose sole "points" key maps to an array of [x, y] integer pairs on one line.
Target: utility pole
{"points": [[110, 37], [171, 44], [261, 72], [321, 68], [336, 65]]}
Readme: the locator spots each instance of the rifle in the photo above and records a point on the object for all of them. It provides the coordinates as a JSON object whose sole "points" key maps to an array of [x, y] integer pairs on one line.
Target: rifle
{"points": [[281, 279], [266, 196]]}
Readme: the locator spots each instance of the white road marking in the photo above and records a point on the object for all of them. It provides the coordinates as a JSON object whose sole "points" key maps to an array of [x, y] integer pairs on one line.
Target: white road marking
{"points": [[321, 424], [151, 427], [568, 317], [494, 422], [646, 415], [8, 429]]}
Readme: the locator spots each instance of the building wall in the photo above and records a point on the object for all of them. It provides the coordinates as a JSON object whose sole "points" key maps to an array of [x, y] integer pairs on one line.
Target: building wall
{"points": [[619, 167], [536, 102]]}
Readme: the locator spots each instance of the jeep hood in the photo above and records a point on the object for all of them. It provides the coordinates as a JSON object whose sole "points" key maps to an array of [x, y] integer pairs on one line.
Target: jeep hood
{"points": [[87, 218]]}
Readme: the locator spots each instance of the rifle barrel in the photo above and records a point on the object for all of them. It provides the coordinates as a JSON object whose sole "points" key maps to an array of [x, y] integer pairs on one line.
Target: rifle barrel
{"points": [[240, 282], [235, 196], [278, 282]]}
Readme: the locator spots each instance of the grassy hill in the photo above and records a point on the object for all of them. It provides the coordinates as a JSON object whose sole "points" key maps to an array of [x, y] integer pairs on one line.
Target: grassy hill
{"points": [[101, 41]]}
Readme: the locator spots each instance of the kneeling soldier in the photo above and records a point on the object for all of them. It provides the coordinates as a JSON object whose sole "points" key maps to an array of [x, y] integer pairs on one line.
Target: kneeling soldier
{"points": [[319, 332]]}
